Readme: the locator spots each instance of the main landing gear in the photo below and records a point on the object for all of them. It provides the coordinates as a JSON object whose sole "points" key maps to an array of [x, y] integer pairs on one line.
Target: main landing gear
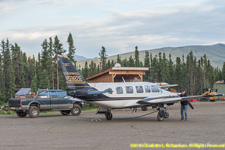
{"points": [[108, 115], [162, 113], [107, 112]]}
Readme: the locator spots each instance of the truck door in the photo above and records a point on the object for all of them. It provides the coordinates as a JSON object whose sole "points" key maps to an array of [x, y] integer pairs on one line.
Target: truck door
{"points": [[45, 103], [65, 103], [54, 102]]}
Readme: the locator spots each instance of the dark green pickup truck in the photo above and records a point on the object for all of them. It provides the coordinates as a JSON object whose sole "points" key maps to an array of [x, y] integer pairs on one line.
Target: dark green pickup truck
{"points": [[33, 106]]}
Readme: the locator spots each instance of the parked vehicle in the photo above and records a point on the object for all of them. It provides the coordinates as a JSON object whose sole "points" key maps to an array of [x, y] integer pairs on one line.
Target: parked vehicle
{"points": [[46, 100]]}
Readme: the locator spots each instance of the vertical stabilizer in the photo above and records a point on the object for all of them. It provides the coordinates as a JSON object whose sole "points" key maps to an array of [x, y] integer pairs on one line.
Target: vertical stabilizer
{"points": [[73, 78]]}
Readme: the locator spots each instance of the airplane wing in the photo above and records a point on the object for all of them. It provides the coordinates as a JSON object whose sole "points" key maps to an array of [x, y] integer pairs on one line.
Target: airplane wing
{"points": [[168, 86], [171, 99]]}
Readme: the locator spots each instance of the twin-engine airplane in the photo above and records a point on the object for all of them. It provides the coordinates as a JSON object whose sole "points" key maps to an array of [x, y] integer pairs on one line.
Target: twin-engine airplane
{"points": [[120, 95]]}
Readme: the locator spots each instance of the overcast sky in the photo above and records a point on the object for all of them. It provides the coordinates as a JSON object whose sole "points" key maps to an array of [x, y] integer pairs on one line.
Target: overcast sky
{"points": [[118, 25]]}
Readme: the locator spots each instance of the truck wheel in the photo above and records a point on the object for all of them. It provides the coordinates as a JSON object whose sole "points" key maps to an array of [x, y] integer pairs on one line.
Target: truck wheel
{"points": [[21, 114], [76, 110], [65, 112], [34, 112]]}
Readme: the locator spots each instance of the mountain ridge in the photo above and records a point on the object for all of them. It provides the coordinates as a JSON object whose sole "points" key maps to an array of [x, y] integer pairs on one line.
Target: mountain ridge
{"points": [[215, 53]]}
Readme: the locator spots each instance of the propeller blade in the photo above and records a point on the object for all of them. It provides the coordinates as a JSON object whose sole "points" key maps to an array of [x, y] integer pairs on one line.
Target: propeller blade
{"points": [[189, 103]]}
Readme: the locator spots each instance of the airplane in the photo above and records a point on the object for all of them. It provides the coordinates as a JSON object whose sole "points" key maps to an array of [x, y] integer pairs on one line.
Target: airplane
{"points": [[121, 95]]}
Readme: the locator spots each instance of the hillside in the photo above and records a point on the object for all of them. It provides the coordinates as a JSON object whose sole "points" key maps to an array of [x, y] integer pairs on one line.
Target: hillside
{"points": [[215, 53]]}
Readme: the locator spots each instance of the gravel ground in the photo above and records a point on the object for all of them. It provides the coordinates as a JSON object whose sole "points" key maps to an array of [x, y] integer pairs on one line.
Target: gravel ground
{"points": [[52, 131]]}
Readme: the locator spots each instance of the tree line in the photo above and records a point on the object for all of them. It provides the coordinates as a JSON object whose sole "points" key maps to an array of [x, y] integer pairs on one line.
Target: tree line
{"points": [[17, 70], [197, 73]]}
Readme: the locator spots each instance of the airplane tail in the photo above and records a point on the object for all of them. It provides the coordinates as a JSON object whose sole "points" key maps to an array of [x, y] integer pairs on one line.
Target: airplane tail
{"points": [[73, 78]]}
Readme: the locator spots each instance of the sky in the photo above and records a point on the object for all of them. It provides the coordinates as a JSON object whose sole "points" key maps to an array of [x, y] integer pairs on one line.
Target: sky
{"points": [[118, 25]]}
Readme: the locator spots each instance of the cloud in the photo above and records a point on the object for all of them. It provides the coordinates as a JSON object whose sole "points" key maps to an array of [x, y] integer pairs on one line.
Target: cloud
{"points": [[120, 30]]}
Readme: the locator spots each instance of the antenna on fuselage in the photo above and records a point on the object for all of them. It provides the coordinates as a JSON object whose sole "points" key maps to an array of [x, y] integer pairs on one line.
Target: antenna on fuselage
{"points": [[123, 79]]}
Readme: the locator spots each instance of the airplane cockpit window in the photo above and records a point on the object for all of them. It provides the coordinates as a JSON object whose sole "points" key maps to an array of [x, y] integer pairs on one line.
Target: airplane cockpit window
{"points": [[129, 89], [139, 89], [119, 90], [154, 88], [147, 89]]}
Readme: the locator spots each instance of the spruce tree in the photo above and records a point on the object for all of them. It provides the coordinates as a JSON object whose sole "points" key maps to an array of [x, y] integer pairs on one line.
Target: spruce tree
{"points": [[58, 50], [10, 83], [33, 85], [2, 83], [136, 57], [103, 57], [118, 60], [147, 64], [178, 73], [71, 51], [44, 82], [223, 71]]}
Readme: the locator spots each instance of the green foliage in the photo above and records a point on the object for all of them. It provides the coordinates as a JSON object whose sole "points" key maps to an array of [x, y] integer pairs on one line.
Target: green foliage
{"points": [[136, 57], [103, 57], [18, 71], [71, 51]]}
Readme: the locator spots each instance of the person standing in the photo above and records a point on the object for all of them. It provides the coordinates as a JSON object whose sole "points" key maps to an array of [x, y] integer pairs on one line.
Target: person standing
{"points": [[183, 106]]}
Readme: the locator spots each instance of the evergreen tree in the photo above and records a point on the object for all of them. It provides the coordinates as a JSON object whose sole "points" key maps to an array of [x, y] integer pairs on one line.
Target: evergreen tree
{"points": [[223, 71], [2, 83], [103, 58], [58, 50], [71, 48], [178, 72], [160, 64], [18, 66], [118, 60], [170, 71], [154, 69], [44, 82], [93, 68], [147, 64], [131, 62], [85, 71], [10, 83], [136, 57], [33, 85], [164, 68]]}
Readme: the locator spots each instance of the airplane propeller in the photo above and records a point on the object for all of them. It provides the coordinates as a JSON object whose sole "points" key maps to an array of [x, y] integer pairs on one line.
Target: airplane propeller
{"points": [[189, 103]]}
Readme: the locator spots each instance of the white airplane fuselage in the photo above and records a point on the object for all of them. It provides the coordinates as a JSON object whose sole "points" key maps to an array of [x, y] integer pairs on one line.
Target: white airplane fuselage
{"points": [[126, 94]]}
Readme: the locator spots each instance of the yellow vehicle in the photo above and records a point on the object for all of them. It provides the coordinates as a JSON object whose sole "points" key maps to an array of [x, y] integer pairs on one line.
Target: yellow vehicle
{"points": [[208, 91]]}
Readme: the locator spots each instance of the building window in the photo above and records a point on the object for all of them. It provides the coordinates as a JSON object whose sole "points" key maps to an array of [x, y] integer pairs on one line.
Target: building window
{"points": [[119, 90], [139, 89], [154, 88], [147, 89], [129, 89]]}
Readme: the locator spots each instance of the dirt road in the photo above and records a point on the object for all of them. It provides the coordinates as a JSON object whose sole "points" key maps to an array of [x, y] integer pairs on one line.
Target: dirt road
{"points": [[206, 124]]}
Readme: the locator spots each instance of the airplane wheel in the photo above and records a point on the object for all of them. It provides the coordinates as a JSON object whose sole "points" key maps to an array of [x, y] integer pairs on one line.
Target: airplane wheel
{"points": [[108, 116], [160, 118], [166, 115]]}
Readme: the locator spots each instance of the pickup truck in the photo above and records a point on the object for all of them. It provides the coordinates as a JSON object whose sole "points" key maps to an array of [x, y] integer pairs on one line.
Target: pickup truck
{"points": [[47, 100]]}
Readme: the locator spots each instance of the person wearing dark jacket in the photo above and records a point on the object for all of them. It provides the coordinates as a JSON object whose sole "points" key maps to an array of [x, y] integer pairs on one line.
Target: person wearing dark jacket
{"points": [[183, 106]]}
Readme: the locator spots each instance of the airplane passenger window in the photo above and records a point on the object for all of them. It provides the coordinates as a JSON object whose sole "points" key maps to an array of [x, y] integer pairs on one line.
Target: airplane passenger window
{"points": [[119, 90], [139, 89], [154, 88], [129, 89], [147, 89]]}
